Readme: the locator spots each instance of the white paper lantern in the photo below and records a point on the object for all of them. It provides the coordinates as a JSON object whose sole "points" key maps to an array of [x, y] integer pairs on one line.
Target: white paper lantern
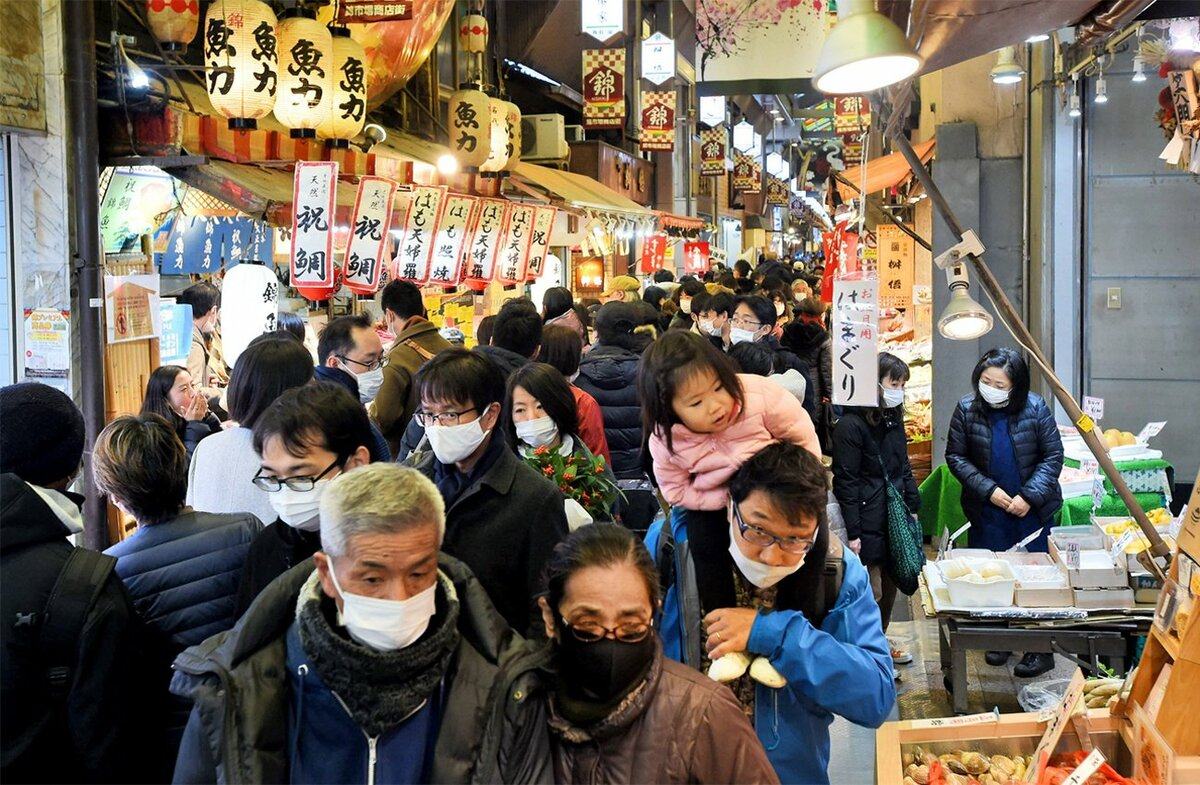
{"points": [[305, 70], [469, 121], [173, 22], [249, 299], [240, 59], [512, 126], [473, 33], [347, 108], [498, 155]]}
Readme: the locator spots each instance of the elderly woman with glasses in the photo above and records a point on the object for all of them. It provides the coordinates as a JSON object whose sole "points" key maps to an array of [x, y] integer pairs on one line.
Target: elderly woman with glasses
{"points": [[618, 710], [805, 616]]}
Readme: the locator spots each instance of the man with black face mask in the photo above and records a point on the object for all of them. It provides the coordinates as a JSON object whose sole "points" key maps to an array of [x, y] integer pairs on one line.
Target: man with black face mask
{"points": [[619, 711]]}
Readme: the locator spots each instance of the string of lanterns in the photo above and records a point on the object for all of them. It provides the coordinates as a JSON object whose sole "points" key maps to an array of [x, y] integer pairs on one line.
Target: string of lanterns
{"points": [[485, 128]]}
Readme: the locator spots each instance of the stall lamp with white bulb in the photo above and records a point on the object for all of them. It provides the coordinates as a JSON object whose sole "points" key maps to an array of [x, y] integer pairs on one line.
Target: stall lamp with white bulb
{"points": [[135, 75], [1101, 90], [863, 52], [1139, 69], [447, 165], [1006, 70], [963, 319], [1076, 109], [1037, 38]]}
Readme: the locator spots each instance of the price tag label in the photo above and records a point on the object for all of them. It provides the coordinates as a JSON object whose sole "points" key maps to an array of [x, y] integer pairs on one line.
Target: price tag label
{"points": [[1086, 768], [1085, 423], [951, 722], [1071, 555], [1117, 552], [1093, 407], [1056, 724], [1089, 465], [1098, 492], [1151, 430]]}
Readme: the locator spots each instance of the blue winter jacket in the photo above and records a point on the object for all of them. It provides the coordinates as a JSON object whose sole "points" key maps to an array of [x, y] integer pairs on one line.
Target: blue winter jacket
{"points": [[843, 667], [183, 574], [1036, 444]]}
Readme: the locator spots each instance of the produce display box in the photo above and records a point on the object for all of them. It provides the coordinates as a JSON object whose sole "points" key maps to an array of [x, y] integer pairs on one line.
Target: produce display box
{"points": [[1096, 570], [1040, 595], [1132, 563], [1104, 599]]}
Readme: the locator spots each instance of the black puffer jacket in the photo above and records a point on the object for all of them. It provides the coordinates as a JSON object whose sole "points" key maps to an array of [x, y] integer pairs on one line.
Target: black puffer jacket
{"points": [[812, 344], [609, 374], [1036, 444], [858, 477]]}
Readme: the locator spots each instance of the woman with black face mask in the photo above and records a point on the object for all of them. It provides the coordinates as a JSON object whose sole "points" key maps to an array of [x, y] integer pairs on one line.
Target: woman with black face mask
{"points": [[618, 711]]}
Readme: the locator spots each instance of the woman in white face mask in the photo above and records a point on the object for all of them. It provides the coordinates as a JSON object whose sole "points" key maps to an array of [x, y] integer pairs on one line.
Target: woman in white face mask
{"points": [[869, 450], [540, 411], [1005, 449]]}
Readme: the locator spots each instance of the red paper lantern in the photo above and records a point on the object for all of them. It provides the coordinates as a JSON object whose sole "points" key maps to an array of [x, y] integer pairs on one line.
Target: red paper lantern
{"points": [[319, 294]]}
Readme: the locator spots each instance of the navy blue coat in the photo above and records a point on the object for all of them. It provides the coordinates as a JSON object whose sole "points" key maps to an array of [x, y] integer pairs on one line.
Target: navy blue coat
{"points": [[183, 574], [1036, 444], [609, 374]]}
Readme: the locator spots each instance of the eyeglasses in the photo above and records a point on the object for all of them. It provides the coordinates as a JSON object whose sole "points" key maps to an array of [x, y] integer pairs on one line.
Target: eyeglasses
{"points": [[743, 322], [592, 632], [371, 366], [273, 484], [756, 536], [426, 419]]}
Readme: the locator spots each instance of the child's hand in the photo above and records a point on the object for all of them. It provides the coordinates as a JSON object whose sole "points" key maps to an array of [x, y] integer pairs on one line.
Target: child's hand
{"points": [[728, 630]]}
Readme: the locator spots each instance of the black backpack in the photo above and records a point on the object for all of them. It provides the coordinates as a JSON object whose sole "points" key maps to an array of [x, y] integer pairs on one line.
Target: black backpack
{"points": [[79, 583]]}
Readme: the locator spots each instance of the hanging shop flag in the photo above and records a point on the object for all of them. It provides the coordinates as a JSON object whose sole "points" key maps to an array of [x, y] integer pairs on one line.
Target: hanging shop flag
{"points": [[658, 58], [446, 265], [777, 191], [249, 307], [896, 266], [697, 256], [603, 88], [312, 224], [369, 227], [131, 310], [743, 171], [712, 152], [851, 114], [416, 248], [658, 121], [712, 110], [856, 341], [486, 234], [754, 184], [514, 247], [654, 252], [772, 44], [602, 19], [539, 243], [132, 202], [360, 11]]}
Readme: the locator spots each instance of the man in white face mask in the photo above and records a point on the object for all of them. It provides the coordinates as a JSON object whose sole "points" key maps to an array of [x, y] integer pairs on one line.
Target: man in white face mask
{"points": [[375, 649], [350, 354], [503, 519]]}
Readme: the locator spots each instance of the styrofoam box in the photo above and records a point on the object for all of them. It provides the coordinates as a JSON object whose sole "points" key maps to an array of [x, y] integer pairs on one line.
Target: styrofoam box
{"points": [[1104, 599], [1071, 490], [1096, 569], [965, 594], [1042, 594]]}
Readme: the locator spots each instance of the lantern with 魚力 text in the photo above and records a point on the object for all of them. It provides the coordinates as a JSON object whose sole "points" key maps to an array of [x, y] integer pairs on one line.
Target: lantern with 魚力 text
{"points": [[346, 109], [305, 70], [498, 133], [469, 121], [173, 22], [512, 125], [240, 60]]}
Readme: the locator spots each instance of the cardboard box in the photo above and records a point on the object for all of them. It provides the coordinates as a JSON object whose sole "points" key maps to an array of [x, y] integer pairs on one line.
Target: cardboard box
{"points": [[1189, 530]]}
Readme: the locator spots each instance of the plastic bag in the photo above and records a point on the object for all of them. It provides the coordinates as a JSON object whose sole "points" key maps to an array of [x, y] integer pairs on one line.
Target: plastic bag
{"points": [[1042, 694]]}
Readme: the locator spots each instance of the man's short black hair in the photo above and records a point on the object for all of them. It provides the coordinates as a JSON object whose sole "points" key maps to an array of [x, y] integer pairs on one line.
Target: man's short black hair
{"points": [[721, 303], [319, 414], [403, 299], [518, 327], [742, 268], [483, 330], [662, 276], [461, 376], [338, 336], [762, 308], [203, 297], [700, 302]]}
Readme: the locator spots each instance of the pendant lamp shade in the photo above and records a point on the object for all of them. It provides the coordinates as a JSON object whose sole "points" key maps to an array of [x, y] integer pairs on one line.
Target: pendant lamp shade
{"points": [[305, 71], [346, 111], [240, 60], [1006, 70], [863, 52], [173, 22]]}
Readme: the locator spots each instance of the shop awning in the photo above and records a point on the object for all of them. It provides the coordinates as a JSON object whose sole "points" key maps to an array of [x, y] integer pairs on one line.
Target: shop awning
{"points": [[884, 172], [262, 193], [579, 191], [685, 223], [401, 145]]}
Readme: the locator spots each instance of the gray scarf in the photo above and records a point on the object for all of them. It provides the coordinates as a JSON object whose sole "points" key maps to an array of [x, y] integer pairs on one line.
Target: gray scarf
{"points": [[380, 689]]}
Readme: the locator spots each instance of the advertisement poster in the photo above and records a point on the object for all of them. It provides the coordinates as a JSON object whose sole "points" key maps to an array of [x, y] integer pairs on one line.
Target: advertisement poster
{"points": [[131, 207], [175, 339], [897, 254], [131, 310], [48, 346], [856, 341], [603, 88]]}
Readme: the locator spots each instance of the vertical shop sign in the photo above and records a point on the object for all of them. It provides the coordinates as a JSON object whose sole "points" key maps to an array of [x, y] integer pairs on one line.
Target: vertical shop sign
{"points": [[131, 307], [756, 177], [712, 152], [446, 265], [851, 117], [602, 19], [416, 249], [696, 257], [777, 191], [486, 234], [654, 252], [369, 227], [897, 254], [856, 341], [48, 346], [539, 242], [658, 58], [603, 88], [658, 121], [514, 247], [312, 224], [743, 171]]}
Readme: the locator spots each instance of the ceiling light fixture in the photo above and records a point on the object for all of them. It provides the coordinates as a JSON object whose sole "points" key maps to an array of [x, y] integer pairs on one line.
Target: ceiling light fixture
{"points": [[1101, 90], [863, 52], [1139, 69], [1037, 38], [1006, 70]]}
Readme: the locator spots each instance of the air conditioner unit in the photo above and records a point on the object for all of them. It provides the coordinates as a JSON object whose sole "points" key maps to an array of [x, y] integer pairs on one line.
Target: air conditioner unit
{"points": [[543, 138], [575, 134]]}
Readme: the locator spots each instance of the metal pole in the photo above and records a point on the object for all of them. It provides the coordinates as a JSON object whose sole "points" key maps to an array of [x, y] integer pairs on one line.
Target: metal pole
{"points": [[1017, 325], [79, 28]]}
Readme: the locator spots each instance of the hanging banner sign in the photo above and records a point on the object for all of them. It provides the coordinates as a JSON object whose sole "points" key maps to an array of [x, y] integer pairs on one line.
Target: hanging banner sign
{"points": [[513, 260], [658, 58], [446, 265], [712, 152], [851, 114], [602, 19], [712, 110], [539, 242], [658, 121], [756, 177], [897, 254], [856, 341], [697, 256], [416, 248], [312, 224], [361, 11], [486, 235], [743, 171], [654, 252], [603, 88], [777, 191], [368, 234]]}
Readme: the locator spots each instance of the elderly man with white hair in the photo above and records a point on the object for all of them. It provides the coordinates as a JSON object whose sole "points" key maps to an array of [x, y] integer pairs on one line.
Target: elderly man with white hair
{"points": [[378, 660]]}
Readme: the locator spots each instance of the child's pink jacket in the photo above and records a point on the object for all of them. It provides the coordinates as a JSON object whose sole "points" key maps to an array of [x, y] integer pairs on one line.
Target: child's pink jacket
{"points": [[694, 476]]}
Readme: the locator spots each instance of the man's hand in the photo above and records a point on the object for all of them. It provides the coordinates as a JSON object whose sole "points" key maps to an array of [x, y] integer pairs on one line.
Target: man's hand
{"points": [[728, 630], [1018, 507], [1001, 499]]}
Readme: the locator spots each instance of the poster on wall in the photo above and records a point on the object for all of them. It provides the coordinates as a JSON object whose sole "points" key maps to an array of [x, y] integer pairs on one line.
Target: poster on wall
{"points": [[131, 310], [856, 341], [897, 254], [175, 336], [603, 88], [446, 265], [132, 204], [658, 121], [314, 190], [739, 43], [47, 346]]}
